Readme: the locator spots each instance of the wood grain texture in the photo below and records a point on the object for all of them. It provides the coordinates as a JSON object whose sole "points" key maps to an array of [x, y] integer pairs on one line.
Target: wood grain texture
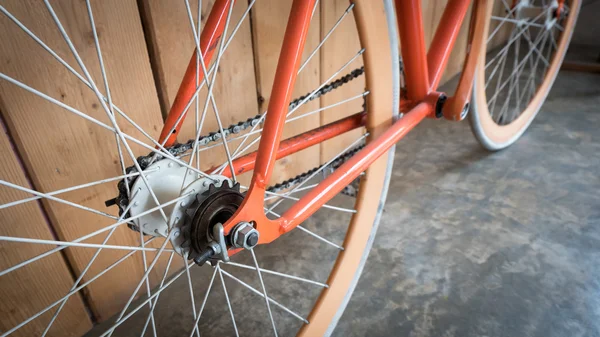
{"points": [[172, 43], [60, 149], [342, 45], [32, 288], [269, 19]]}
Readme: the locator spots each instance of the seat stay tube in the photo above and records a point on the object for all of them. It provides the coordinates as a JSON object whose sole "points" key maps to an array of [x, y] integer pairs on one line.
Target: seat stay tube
{"points": [[209, 40], [443, 41], [283, 85]]}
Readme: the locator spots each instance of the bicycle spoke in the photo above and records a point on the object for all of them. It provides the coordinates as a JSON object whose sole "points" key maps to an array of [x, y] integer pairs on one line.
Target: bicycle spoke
{"points": [[73, 188], [144, 277], [513, 80], [50, 197], [210, 96], [533, 46], [206, 75], [262, 295], [353, 144], [227, 300], [106, 87], [521, 64], [212, 280], [75, 73], [87, 236], [341, 209], [264, 290], [83, 273], [141, 305], [198, 122], [191, 289], [148, 292], [316, 236], [76, 290], [238, 152], [267, 271], [164, 152], [75, 244], [296, 191], [210, 71], [525, 23], [326, 37], [510, 42], [289, 120], [162, 282]]}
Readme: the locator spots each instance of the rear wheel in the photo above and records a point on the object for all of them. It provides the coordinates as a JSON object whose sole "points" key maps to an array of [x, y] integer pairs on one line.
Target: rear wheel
{"points": [[270, 290], [525, 46]]}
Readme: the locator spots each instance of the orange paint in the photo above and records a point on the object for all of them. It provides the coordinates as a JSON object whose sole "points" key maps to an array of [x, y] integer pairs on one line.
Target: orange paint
{"points": [[300, 142], [422, 73], [444, 38], [209, 39], [414, 56]]}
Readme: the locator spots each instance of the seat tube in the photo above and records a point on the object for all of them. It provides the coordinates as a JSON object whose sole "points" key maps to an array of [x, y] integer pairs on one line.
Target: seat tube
{"points": [[414, 53]]}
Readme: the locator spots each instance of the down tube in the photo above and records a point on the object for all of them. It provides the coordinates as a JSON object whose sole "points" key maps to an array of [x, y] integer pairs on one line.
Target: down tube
{"points": [[346, 173]]}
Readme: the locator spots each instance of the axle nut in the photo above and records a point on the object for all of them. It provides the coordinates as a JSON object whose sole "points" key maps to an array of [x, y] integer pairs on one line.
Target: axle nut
{"points": [[245, 236]]}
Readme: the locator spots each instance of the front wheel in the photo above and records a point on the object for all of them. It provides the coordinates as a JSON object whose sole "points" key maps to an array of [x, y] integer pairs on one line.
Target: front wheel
{"points": [[525, 46]]}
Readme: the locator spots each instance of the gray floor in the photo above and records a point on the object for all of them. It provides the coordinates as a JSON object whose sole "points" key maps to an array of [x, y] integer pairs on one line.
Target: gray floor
{"points": [[480, 244]]}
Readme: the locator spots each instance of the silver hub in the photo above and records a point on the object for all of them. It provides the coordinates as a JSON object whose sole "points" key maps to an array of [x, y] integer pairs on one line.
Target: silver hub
{"points": [[168, 180]]}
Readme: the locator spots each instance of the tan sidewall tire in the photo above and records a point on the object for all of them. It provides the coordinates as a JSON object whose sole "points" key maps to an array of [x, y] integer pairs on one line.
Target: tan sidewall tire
{"points": [[376, 23], [496, 137]]}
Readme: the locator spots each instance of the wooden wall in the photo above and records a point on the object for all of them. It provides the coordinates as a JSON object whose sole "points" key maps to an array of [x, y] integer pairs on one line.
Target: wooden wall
{"points": [[146, 47]]}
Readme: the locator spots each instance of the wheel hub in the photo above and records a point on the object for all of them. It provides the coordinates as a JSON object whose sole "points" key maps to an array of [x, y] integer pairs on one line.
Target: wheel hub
{"points": [[202, 203]]}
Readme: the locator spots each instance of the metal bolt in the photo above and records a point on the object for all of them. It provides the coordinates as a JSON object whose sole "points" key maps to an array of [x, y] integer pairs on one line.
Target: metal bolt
{"points": [[245, 236], [464, 112], [252, 239]]}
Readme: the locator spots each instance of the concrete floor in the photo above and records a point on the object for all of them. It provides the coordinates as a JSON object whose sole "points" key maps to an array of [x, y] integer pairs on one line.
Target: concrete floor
{"points": [[471, 243], [491, 244]]}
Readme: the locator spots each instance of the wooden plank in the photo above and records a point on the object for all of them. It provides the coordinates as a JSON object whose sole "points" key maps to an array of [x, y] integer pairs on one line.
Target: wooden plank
{"points": [[337, 50], [269, 20], [60, 149], [32, 288], [172, 43]]}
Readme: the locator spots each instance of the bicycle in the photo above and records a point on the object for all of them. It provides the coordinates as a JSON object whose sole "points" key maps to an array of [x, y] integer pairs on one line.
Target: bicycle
{"points": [[201, 214]]}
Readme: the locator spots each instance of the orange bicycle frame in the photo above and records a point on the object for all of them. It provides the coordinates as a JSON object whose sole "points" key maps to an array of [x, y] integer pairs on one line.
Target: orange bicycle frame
{"points": [[423, 71]]}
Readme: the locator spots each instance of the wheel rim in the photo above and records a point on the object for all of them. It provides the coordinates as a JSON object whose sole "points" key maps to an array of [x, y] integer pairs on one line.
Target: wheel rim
{"points": [[357, 239], [510, 89]]}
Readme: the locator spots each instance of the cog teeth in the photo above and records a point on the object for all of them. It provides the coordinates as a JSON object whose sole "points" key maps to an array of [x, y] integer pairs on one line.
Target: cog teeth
{"points": [[225, 184], [236, 187], [190, 211]]}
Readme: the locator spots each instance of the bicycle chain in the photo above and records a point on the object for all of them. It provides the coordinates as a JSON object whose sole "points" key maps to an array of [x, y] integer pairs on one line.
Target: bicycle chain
{"points": [[122, 200]]}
